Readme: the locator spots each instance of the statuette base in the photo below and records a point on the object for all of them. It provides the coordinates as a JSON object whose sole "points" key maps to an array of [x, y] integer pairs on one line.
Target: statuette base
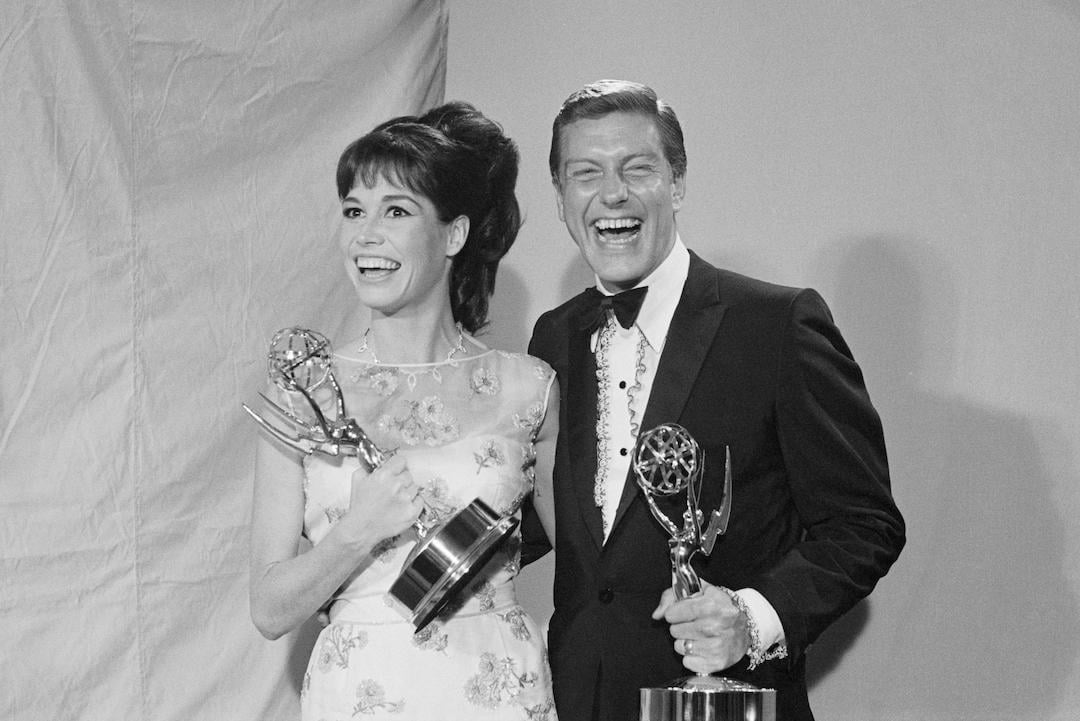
{"points": [[708, 698]]}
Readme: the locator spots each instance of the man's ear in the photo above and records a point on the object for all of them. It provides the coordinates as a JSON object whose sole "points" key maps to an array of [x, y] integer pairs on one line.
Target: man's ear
{"points": [[678, 191], [459, 233], [558, 198]]}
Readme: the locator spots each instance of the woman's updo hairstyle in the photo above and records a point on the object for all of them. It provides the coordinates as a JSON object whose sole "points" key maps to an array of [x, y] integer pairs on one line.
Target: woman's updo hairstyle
{"points": [[463, 163]]}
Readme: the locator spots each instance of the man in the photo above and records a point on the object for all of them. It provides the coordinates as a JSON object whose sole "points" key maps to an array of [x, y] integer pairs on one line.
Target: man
{"points": [[743, 365]]}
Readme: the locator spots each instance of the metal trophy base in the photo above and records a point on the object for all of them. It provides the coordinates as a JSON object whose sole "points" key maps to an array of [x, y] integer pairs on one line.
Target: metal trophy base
{"points": [[447, 558], [708, 698]]}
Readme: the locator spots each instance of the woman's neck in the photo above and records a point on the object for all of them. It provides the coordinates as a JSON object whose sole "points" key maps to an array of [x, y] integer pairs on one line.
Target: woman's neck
{"points": [[400, 341]]}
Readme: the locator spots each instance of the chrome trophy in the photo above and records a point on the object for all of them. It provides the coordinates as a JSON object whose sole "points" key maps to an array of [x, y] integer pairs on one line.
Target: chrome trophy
{"points": [[449, 553], [668, 461]]}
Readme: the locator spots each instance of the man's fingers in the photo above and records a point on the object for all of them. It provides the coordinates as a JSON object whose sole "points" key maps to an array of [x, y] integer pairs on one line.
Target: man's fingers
{"points": [[710, 605], [686, 646], [666, 599], [687, 609], [708, 655], [705, 665]]}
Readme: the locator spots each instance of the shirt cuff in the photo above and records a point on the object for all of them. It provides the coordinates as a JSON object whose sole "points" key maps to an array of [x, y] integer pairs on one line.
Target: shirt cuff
{"points": [[770, 631]]}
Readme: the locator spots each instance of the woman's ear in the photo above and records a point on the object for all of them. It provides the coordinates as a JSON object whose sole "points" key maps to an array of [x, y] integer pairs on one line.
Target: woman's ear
{"points": [[459, 233]]}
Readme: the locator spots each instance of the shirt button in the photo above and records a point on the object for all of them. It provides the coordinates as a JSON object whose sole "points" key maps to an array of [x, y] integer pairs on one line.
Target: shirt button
{"points": [[606, 595], [622, 384], [622, 451]]}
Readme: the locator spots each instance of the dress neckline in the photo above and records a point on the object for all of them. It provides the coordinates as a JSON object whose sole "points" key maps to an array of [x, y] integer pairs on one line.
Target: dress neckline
{"points": [[432, 364]]}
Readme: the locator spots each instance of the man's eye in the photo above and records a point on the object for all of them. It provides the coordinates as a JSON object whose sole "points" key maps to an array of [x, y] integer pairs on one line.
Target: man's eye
{"points": [[640, 171], [584, 175]]}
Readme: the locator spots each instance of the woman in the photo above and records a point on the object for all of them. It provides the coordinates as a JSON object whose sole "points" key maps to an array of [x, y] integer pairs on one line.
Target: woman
{"points": [[428, 210]]}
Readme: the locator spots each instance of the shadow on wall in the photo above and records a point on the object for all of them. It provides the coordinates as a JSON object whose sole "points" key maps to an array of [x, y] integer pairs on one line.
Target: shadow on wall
{"points": [[576, 277], [303, 641], [508, 328], [511, 326], [980, 620]]}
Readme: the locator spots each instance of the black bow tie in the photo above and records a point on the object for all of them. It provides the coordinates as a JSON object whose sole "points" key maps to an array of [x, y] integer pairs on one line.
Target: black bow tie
{"points": [[625, 305]]}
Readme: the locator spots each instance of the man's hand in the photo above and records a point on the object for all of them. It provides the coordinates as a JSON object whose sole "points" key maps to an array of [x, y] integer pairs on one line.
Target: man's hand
{"points": [[709, 629]]}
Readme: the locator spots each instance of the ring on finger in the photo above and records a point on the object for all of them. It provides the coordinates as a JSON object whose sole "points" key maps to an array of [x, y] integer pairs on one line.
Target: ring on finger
{"points": [[688, 646]]}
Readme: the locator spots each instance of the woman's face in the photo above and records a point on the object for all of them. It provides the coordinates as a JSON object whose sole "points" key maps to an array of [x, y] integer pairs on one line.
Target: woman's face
{"points": [[397, 251]]}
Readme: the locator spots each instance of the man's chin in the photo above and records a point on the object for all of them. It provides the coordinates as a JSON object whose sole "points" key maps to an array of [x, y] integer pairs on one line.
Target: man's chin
{"points": [[617, 282]]}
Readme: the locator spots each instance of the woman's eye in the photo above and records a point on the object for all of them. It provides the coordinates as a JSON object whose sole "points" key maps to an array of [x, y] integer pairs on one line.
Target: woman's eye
{"points": [[397, 212], [351, 212]]}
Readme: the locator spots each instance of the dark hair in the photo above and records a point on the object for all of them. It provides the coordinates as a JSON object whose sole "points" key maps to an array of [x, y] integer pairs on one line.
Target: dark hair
{"points": [[463, 163], [603, 97]]}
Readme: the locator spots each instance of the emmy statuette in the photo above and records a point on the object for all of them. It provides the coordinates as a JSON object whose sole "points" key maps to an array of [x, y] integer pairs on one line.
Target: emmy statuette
{"points": [[668, 461], [448, 554]]}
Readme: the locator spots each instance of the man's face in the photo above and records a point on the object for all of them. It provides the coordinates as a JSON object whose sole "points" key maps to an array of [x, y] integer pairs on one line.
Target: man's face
{"points": [[618, 196]]}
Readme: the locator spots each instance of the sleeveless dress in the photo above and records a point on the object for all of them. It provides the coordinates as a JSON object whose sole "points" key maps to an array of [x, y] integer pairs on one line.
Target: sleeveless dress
{"points": [[467, 428]]}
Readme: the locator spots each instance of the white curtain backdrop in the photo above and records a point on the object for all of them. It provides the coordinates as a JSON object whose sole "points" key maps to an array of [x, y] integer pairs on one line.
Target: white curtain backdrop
{"points": [[166, 203]]}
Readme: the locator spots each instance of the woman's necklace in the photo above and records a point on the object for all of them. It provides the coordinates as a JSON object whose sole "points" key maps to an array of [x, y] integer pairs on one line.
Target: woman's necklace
{"points": [[365, 347]]}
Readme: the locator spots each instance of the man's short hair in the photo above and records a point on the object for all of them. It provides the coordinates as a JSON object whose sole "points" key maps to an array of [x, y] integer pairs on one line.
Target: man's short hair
{"points": [[603, 97]]}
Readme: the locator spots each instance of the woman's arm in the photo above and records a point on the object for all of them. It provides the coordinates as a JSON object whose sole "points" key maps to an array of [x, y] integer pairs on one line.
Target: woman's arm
{"points": [[287, 587]]}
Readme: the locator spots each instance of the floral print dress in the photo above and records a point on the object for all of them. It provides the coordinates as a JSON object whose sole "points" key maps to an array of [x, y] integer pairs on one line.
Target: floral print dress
{"points": [[467, 428]]}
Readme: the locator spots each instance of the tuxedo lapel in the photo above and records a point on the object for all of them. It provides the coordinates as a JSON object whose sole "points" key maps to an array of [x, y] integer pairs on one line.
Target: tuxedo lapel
{"points": [[690, 336], [581, 427]]}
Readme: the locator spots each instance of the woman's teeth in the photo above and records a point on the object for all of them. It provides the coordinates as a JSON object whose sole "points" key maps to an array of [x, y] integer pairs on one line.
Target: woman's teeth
{"points": [[376, 264]]}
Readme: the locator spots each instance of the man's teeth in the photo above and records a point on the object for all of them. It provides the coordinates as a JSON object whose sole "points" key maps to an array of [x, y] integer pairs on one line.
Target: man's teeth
{"points": [[363, 264], [617, 225]]}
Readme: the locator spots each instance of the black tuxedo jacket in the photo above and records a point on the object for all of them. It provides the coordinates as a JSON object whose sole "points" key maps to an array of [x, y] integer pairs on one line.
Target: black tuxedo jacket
{"points": [[760, 369]]}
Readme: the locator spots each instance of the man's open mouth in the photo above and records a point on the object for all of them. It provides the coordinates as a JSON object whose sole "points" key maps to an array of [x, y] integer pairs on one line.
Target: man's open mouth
{"points": [[616, 229]]}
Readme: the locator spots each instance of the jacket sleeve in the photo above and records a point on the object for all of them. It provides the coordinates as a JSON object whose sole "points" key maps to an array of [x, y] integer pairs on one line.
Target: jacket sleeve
{"points": [[834, 452], [534, 540]]}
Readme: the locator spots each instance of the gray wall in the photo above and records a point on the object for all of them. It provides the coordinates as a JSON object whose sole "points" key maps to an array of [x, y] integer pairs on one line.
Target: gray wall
{"points": [[919, 164]]}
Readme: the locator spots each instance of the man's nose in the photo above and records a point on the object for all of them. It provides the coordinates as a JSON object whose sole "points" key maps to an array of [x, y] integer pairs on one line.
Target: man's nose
{"points": [[614, 190]]}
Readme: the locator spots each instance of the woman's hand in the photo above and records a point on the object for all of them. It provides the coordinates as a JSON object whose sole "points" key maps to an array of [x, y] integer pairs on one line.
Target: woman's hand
{"points": [[287, 587], [383, 503]]}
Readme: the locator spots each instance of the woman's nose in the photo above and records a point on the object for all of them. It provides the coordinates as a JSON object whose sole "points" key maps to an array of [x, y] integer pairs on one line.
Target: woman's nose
{"points": [[370, 236], [366, 231], [352, 233]]}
